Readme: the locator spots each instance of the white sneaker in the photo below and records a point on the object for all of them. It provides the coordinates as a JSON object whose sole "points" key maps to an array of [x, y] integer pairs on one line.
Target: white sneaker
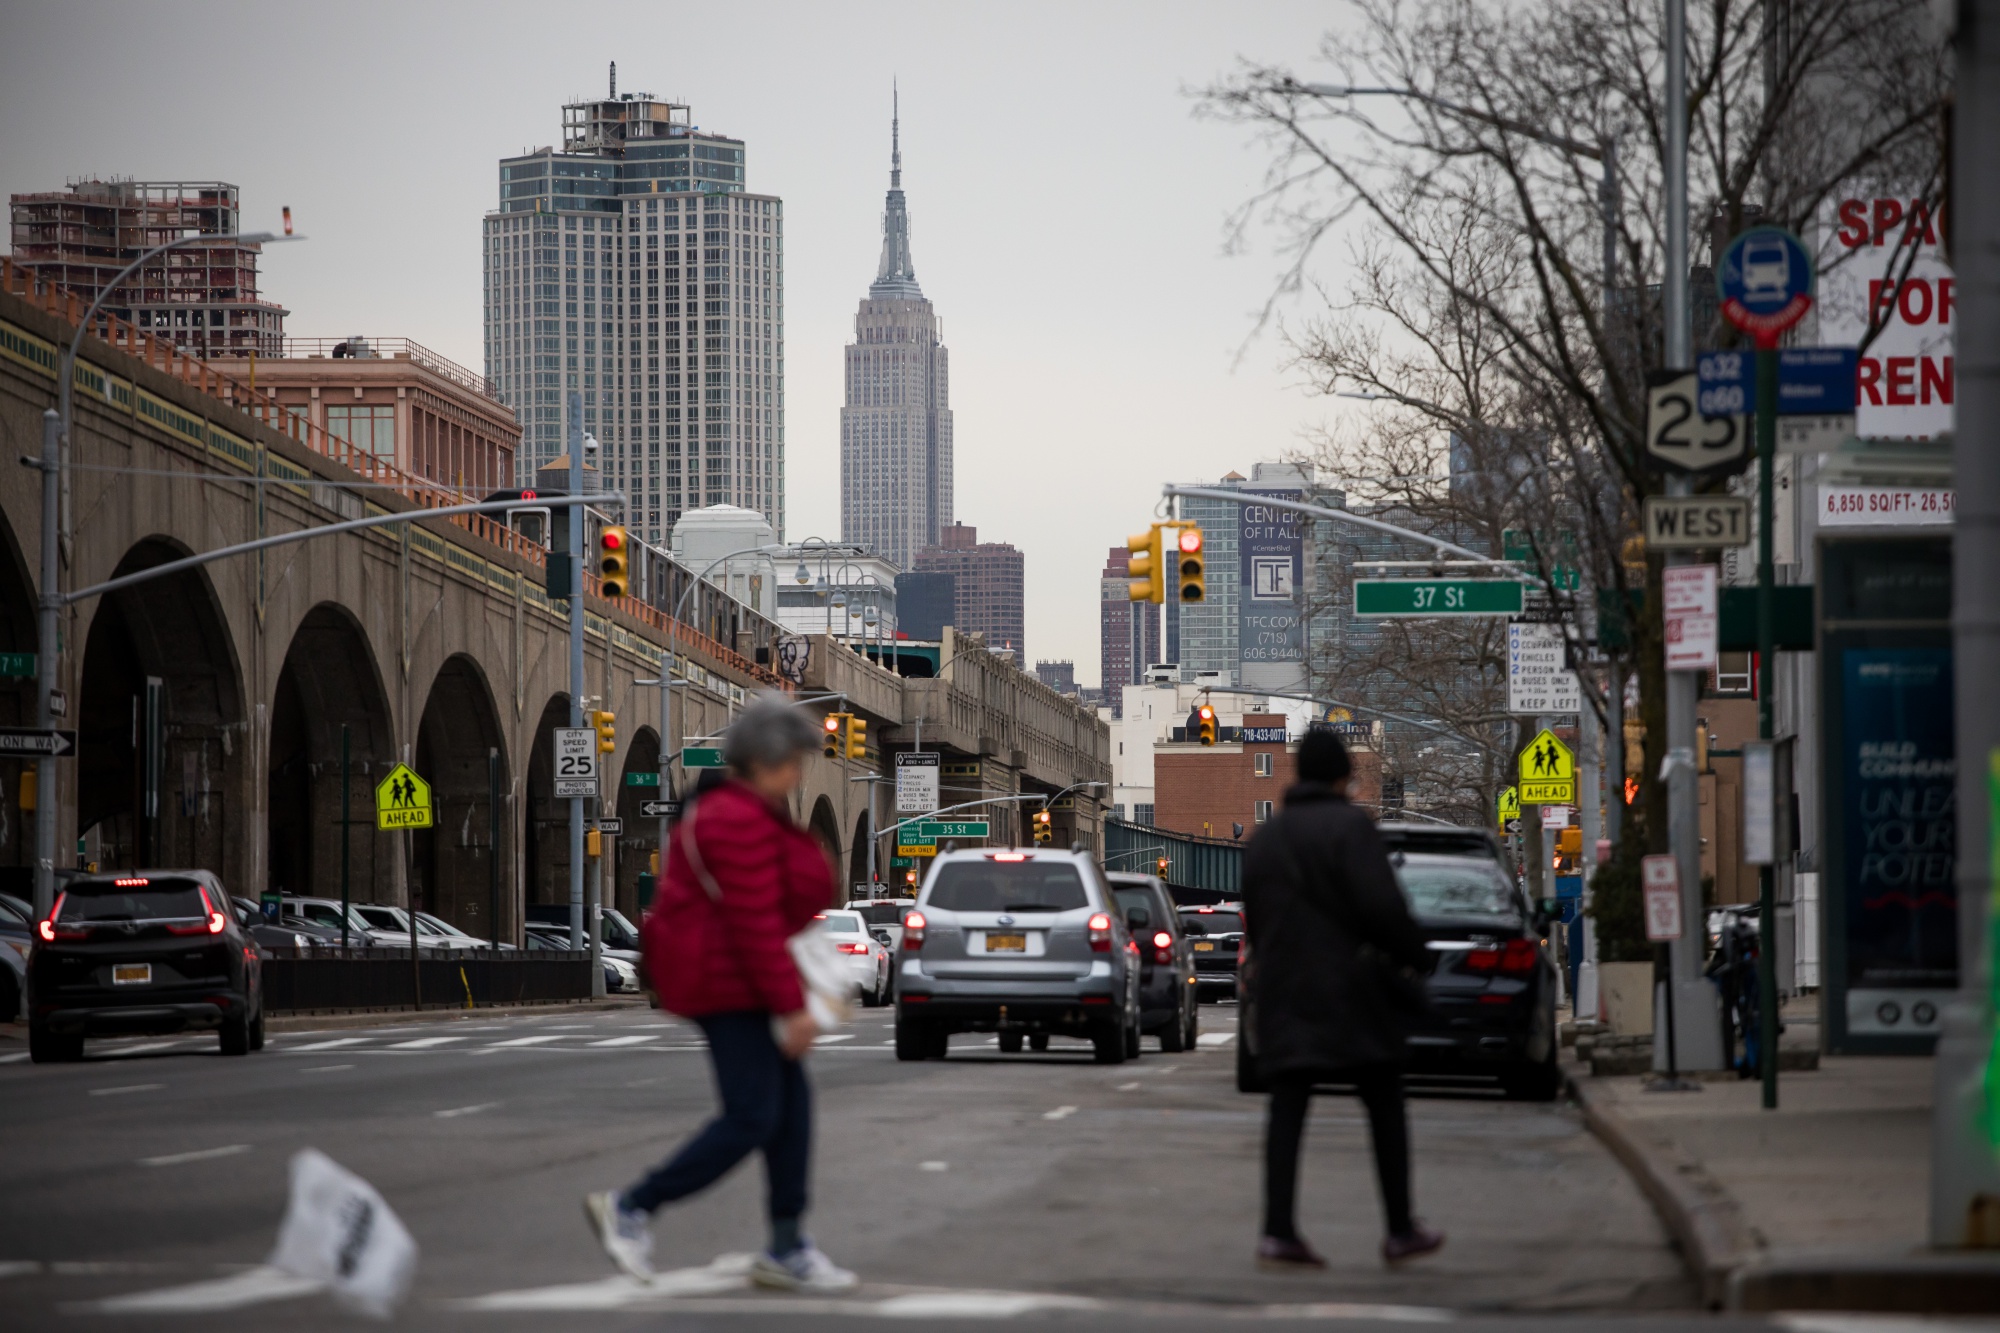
{"points": [[625, 1235], [804, 1269]]}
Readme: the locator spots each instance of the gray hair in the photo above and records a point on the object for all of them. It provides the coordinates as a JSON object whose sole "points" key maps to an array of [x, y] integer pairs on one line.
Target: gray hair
{"points": [[767, 733]]}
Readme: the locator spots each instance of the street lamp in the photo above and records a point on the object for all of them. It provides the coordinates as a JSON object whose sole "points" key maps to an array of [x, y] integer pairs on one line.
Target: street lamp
{"points": [[54, 466]]}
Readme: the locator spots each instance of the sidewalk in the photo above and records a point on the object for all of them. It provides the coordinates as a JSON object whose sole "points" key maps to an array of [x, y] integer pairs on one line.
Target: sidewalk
{"points": [[1820, 1204]]}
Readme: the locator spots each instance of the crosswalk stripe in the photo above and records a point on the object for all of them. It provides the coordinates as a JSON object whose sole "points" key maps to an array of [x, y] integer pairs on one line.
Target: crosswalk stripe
{"points": [[322, 1045], [1215, 1038], [526, 1041], [253, 1286], [423, 1043], [622, 1041]]}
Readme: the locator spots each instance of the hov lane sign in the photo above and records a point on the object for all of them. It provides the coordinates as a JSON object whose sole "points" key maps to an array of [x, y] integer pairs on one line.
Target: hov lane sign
{"points": [[1538, 676], [402, 800], [1548, 771]]}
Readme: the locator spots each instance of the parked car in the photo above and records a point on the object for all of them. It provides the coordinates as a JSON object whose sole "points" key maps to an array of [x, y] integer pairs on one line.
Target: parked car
{"points": [[464, 939], [147, 951], [621, 937], [17, 933], [867, 958], [1169, 999], [296, 938], [392, 923], [1022, 942], [1216, 931], [1492, 983], [360, 935], [621, 975]]}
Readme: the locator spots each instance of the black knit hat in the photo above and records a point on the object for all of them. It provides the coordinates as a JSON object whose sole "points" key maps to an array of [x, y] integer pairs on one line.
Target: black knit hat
{"points": [[1323, 757]]}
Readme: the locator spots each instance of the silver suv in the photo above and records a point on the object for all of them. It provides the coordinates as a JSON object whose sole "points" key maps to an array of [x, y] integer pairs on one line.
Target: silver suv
{"points": [[1023, 942]]}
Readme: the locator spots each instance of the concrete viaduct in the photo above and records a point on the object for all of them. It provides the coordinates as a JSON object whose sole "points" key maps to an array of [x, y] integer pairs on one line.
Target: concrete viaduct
{"points": [[212, 706]]}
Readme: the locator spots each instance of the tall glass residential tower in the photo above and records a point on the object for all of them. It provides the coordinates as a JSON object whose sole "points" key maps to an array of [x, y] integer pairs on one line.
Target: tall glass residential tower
{"points": [[632, 266]]}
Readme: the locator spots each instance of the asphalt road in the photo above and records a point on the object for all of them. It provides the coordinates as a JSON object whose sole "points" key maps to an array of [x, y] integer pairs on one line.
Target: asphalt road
{"points": [[145, 1186]]}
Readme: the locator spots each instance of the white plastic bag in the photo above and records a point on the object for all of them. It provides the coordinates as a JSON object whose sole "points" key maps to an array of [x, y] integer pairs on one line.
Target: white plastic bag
{"points": [[829, 987], [339, 1231]]}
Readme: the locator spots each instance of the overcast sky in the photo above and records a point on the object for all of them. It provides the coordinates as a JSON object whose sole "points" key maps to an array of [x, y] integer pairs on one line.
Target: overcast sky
{"points": [[1068, 211]]}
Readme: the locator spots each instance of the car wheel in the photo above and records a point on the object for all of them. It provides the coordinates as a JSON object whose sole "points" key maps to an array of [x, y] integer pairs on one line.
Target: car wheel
{"points": [[1038, 1041], [1173, 1037], [1193, 1024], [1109, 1045], [1132, 1039], [257, 1030], [48, 1048], [1532, 1081], [236, 1036], [913, 1040], [10, 998], [1010, 1043]]}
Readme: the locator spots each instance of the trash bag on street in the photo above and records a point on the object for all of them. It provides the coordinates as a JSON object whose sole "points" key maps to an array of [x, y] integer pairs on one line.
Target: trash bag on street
{"points": [[340, 1231]]}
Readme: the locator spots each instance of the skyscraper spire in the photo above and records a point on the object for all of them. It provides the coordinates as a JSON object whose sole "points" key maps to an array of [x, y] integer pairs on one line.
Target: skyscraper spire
{"points": [[897, 276]]}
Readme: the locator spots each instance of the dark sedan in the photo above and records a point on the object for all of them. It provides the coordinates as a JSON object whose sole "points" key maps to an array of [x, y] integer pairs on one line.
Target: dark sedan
{"points": [[1169, 1008], [142, 952], [1216, 930]]}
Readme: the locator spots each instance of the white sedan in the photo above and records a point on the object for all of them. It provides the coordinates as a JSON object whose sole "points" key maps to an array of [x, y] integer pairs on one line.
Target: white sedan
{"points": [[867, 961]]}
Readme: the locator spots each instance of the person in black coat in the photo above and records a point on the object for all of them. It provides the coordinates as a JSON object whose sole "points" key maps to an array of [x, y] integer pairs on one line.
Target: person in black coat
{"points": [[1336, 965]]}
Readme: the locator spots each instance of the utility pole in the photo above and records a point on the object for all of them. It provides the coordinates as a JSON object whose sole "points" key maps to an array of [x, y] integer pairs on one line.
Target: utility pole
{"points": [[1965, 1136], [575, 545]]}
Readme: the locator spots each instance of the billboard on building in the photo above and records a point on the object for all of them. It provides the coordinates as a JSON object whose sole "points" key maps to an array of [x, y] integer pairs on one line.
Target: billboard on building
{"points": [[1270, 630], [1881, 251]]}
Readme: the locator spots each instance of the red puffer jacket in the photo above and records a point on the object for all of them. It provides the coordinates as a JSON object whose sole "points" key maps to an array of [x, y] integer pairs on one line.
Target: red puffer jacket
{"points": [[710, 957]]}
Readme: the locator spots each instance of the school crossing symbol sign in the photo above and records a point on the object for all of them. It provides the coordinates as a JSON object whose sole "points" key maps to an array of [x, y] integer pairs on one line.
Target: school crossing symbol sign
{"points": [[1548, 772], [402, 800]]}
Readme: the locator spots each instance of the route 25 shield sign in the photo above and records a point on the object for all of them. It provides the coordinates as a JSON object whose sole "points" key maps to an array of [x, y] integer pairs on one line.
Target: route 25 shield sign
{"points": [[1678, 436]]}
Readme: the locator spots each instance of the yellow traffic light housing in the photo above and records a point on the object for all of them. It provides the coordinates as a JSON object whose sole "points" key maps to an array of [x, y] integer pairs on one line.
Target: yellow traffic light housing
{"points": [[831, 745], [1161, 866], [1148, 582], [593, 843], [1045, 831], [614, 549], [1205, 724], [1193, 574], [607, 731], [857, 737]]}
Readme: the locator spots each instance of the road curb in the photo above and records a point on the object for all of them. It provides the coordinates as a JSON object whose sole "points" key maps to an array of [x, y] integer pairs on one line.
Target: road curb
{"points": [[1707, 1225], [277, 1023]]}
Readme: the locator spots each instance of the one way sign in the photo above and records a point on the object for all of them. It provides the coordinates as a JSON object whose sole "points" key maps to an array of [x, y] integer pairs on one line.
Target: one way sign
{"points": [[656, 809], [28, 740]]}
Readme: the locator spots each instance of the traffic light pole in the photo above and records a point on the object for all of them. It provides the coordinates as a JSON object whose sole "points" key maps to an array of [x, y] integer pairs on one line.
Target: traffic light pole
{"points": [[574, 531]]}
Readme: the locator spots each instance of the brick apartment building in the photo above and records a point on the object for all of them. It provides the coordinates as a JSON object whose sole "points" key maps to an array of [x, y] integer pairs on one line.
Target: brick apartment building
{"points": [[1208, 789], [988, 587]]}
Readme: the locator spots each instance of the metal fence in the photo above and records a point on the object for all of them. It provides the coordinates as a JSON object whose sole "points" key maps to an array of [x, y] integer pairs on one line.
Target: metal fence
{"points": [[1199, 870], [384, 979]]}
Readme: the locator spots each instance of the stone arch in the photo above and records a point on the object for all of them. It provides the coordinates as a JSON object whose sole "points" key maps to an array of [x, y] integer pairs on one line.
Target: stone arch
{"points": [[857, 856], [641, 837], [160, 725], [18, 632], [329, 682], [825, 826], [545, 823], [462, 875]]}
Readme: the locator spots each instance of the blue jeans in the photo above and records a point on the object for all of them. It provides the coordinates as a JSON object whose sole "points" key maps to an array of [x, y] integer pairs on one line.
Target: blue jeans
{"points": [[766, 1104]]}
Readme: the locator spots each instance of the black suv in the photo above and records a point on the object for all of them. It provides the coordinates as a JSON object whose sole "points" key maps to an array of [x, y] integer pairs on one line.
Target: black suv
{"points": [[1169, 1008], [1216, 930], [142, 952]]}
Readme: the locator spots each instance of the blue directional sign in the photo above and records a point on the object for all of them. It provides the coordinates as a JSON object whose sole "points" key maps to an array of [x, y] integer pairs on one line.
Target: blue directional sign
{"points": [[1765, 281], [1812, 381]]}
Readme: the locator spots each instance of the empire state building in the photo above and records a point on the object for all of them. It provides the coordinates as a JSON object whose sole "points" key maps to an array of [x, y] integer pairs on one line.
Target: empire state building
{"points": [[895, 430]]}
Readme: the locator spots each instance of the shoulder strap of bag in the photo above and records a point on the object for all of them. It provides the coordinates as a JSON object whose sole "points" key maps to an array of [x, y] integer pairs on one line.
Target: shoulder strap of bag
{"points": [[693, 849]]}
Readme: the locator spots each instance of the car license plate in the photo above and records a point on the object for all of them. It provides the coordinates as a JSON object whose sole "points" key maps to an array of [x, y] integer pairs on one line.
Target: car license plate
{"points": [[1204, 946], [131, 974], [1006, 943]]}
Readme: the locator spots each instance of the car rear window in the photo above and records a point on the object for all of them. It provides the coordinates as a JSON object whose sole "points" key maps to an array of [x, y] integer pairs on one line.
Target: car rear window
{"points": [[140, 900], [1136, 900], [1216, 922], [886, 913], [844, 923], [1450, 886], [382, 918], [1008, 886]]}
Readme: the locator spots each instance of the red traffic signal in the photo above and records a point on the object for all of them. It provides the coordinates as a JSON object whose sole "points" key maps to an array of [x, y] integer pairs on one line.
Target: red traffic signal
{"points": [[1190, 539]]}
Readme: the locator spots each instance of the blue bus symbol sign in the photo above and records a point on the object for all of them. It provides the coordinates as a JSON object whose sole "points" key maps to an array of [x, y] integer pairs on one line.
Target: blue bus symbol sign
{"points": [[1765, 282]]}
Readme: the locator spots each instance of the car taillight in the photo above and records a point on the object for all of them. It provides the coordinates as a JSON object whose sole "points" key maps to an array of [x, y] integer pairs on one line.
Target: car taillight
{"points": [[848, 947], [51, 932], [1099, 927], [913, 931], [1514, 958], [1163, 947]]}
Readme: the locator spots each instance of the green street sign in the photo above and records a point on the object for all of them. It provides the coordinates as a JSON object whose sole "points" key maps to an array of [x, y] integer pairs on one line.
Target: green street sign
{"points": [[702, 756], [902, 863], [1437, 597], [17, 664], [933, 829], [642, 779], [1557, 546]]}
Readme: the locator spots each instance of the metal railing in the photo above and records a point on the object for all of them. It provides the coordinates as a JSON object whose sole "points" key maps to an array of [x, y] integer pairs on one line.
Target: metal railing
{"points": [[1202, 869], [384, 979], [392, 349]]}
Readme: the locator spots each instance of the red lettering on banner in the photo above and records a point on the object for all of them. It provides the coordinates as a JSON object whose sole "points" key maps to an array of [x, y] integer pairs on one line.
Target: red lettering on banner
{"points": [[1945, 286], [1853, 223], [1868, 381], [1888, 212], [1902, 369], [1915, 303], [1937, 377]]}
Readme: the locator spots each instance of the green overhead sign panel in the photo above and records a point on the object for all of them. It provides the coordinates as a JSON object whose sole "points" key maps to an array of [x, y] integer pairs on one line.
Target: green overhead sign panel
{"points": [[933, 829], [1437, 597], [701, 756]]}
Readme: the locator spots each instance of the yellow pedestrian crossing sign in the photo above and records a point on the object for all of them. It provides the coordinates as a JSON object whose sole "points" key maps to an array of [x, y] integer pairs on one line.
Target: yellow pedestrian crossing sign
{"points": [[1510, 806], [402, 800], [1548, 772]]}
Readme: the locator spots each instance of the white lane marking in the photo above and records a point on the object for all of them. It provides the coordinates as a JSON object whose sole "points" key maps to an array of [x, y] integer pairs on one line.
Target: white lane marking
{"points": [[423, 1043], [199, 1155], [976, 1304], [1388, 1314], [129, 1087], [457, 1111], [1857, 1323], [621, 1041], [522, 1041], [321, 1045], [935, 1166], [253, 1286], [19, 1268], [324, 1069], [1126, 1087], [15, 1058], [142, 1046], [729, 1272], [1060, 1113], [832, 1037], [1215, 1038]]}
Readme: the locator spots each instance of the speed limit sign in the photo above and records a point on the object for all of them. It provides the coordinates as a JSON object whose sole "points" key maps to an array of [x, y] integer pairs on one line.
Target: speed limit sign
{"points": [[576, 762]]}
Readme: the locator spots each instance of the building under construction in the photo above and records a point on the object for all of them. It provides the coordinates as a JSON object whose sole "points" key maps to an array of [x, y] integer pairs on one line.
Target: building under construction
{"points": [[203, 299]]}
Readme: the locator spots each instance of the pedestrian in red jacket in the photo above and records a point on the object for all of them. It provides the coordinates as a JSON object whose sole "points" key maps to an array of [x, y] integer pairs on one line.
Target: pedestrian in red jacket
{"points": [[741, 879]]}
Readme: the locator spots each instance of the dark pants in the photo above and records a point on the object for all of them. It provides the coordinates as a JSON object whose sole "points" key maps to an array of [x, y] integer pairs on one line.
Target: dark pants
{"points": [[1381, 1090], [766, 1105]]}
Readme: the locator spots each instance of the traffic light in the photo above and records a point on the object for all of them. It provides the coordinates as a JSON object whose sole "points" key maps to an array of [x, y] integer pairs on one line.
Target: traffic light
{"points": [[1148, 582], [1045, 831], [1194, 580], [857, 737], [1161, 866], [607, 731], [613, 551], [832, 744], [1205, 724]]}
